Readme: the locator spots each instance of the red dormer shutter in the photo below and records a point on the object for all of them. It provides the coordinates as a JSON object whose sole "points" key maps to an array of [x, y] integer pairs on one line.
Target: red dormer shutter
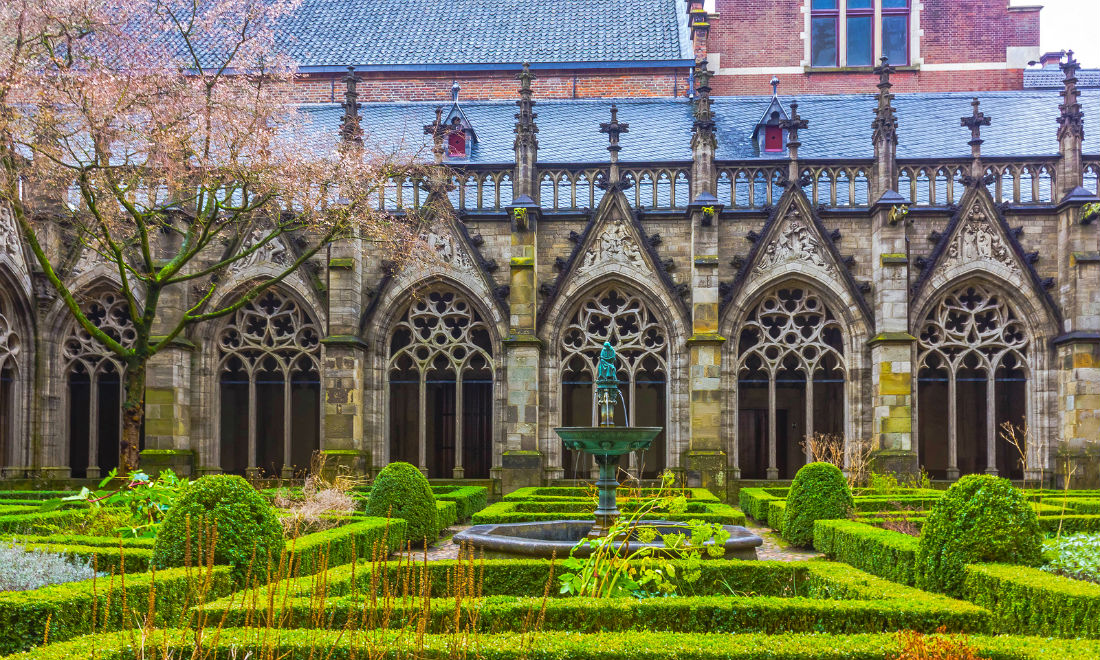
{"points": [[456, 145], [773, 138]]}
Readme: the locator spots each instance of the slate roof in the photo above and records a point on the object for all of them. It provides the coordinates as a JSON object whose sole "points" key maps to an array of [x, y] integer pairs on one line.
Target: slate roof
{"points": [[425, 34], [1052, 78], [1024, 125]]}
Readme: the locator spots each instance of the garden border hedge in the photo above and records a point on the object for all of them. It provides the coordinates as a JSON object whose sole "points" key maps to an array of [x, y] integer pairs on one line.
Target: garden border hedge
{"points": [[505, 512], [1033, 601], [887, 554], [341, 545], [558, 493], [70, 607]]}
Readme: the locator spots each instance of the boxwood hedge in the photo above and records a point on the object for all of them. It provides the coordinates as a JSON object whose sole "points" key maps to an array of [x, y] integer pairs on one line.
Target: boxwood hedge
{"points": [[1027, 600]]}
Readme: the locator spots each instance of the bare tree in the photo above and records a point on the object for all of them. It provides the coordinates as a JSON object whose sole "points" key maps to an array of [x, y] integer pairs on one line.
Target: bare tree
{"points": [[169, 123]]}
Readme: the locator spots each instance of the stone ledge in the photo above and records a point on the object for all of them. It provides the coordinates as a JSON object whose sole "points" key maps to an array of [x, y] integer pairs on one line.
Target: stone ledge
{"points": [[891, 338], [344, 340]]}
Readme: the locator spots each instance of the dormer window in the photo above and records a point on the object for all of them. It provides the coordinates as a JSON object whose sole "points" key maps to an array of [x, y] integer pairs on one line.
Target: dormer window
{"points": [[460, 133], [773, 138]]}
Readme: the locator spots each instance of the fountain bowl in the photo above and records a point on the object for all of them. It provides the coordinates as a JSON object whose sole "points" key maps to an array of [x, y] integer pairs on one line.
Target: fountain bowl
{"points": [[560, 537], [607, 440]]}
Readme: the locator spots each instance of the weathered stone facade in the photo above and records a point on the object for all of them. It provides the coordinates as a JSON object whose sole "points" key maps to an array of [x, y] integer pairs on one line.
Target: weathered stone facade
{"points": [[754, 302]]}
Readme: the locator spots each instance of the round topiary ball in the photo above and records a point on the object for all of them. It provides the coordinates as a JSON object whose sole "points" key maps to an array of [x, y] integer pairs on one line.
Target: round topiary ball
{"points": [[401, 491], [246, 526], [981, 518], [819, 492]]}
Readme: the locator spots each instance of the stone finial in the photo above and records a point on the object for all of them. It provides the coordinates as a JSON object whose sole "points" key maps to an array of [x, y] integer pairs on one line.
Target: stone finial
{"points": [[525, 176], [455, 89], [886, 123], [614, 129], [974, 121], [704, 115], [775, 86], [350, 130], [1072, 120], [525, 119]]}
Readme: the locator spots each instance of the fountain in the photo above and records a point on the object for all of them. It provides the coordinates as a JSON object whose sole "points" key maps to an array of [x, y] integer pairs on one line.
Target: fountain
{"points": [[606, 442]]}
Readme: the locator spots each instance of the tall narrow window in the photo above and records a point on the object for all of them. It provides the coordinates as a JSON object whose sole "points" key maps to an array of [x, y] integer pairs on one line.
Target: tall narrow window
{"points": [[619, 316], [895, 31], [859, 21], [95, 386], [270, 387], [790, 381], [972, 365], [9, 355], [824, 18], [441, 387]]}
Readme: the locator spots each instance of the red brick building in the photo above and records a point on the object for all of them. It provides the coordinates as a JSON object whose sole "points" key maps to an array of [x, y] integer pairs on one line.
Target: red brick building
{"points": [[830, 46]]}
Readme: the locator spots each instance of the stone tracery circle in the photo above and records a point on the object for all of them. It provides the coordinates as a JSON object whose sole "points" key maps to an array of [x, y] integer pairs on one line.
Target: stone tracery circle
{"points": [[791, 328]]}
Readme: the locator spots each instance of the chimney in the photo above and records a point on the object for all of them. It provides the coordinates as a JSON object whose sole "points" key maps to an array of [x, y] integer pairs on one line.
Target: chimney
{"points": [[1051, 60]]}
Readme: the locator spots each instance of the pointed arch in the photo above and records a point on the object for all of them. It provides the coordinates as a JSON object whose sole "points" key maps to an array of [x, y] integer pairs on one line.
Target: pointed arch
{"points": [[265, 365], [795, 366], [16, 364], [648, 335], [437, 363], [982, 361]]}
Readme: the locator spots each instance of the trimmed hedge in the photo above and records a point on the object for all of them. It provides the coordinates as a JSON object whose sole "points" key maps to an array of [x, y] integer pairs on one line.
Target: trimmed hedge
{"points": [[819, 492], [754, 502], [70, 607], [401, 491], [560, 493], [887, 554], [777, 515], [132, 560], [468, 499], [510, 512], [41, 522], [1069, 524], [79, 539], [342, 645], [314, 552], [447, 513], [982, 518], [1027, 600]]}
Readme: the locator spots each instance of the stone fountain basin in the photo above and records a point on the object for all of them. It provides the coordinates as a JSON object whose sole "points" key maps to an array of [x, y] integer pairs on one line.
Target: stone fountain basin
{"points": [[607, 440], [558, 537]]}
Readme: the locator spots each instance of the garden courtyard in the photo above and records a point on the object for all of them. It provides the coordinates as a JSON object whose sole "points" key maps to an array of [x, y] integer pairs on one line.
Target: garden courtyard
{"points": [[338, 567]]}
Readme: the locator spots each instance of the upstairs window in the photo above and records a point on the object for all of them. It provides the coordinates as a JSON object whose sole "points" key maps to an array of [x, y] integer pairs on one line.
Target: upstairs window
{"points": [[855, 32], [773, 138], [456, 144]]}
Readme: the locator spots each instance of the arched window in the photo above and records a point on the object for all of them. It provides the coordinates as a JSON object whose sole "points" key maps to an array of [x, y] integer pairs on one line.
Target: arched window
{"points": [[441, 387], [95, 386], [269, 374], [621, 317], [790, 380], [972, 377], [9, 374]]}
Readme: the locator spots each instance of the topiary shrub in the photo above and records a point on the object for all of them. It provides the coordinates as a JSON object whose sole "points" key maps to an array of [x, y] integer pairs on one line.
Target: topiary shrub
{"points": [[244, 521], [981, 518], [819, 492], [401, 491]]}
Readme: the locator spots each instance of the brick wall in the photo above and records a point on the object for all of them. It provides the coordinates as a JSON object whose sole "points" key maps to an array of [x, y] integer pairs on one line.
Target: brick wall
{"points": [[748, 33], [432, 86]]}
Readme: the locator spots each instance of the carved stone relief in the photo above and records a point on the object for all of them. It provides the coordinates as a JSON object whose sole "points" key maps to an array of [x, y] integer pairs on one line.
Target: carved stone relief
{"points": [[273, 252], [9, 238], [614, 244], [795, 241], [977, 240], [445, 248]]}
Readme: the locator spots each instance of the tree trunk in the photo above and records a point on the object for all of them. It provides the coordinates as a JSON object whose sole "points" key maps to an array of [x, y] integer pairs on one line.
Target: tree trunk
{"points": [[133, 412]]}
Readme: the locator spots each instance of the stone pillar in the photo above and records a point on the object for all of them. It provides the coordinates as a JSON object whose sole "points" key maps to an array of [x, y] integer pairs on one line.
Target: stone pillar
{"points": [[706, 461], [344, 364]]}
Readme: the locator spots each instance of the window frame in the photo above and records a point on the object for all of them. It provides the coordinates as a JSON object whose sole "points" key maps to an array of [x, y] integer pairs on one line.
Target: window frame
{"points": [[840, 15]]}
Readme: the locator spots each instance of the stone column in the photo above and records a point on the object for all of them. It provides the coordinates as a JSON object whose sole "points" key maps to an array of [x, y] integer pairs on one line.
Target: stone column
{"points": [[343, 363]]}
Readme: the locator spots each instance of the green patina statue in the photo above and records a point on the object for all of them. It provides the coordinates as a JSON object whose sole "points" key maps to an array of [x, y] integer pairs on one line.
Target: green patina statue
{"points": [[607, 371]]}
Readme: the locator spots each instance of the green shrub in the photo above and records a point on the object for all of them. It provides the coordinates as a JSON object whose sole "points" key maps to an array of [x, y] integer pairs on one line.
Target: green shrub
{"points": [[468, 499], [881, 552], [340, 545], [1026, 600], [401, 491], [246, 527], [819, 492], [754, 502], [447, 512], [982, 518], [69, 608]]}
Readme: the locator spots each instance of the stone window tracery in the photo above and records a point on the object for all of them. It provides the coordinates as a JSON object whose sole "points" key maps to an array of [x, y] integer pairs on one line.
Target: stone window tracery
{"points": [[269, 366], [790, 346], [441, 373], [10, 349], [973, 348], [620, 316], [95, 384]]}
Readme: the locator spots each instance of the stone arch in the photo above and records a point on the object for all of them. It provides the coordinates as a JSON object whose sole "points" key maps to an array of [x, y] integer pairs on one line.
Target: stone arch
{"points": [[268, 355], [978, 335], [557, 333], [435, 300], [779, 304], [17, 402]]}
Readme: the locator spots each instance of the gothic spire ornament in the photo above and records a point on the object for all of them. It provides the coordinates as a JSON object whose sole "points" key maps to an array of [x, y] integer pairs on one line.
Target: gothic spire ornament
{"points": [[614, 129], [792, 125], [526, 144], [974, 121], [350, 130], [885, 134]]}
